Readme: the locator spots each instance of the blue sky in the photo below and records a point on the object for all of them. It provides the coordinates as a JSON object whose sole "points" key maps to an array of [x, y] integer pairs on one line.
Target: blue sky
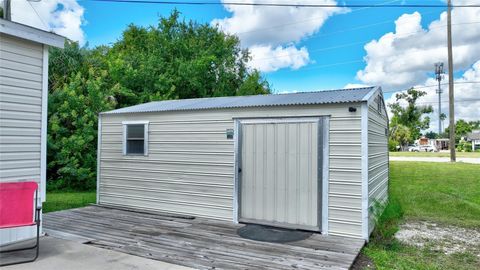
{"points": [[395, 48], [105, 25]]}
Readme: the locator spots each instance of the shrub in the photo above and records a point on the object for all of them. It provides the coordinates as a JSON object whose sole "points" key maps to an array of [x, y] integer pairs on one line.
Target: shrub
{"points": [[386, 224], [464, 146], [392, 145]]}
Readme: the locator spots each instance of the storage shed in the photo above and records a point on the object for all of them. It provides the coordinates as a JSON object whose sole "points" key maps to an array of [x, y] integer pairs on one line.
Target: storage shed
{"points": [[314, 161], [23, 110]]}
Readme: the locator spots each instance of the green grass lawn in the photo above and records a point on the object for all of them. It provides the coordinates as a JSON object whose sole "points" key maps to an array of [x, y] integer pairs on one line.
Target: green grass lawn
{"points": [[57, 201], [434, 154], [444, 193]]}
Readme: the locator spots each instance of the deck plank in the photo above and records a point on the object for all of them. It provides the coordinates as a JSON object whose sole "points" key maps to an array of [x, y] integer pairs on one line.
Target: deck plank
{"points": [[198, 243]]}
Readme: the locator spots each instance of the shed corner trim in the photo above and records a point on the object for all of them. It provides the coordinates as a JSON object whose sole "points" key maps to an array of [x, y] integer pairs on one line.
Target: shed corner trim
{"points": [[364, 151]]}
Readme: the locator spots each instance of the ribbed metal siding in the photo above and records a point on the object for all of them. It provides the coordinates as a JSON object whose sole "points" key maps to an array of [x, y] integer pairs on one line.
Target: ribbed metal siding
{"points": [[279, 183], [187, 170], [20, 117], [199, 136], [378, 160], [345, 191]]}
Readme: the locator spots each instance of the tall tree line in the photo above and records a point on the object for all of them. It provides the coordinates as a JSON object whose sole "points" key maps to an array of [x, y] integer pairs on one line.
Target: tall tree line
{"points": [[175, 59]]}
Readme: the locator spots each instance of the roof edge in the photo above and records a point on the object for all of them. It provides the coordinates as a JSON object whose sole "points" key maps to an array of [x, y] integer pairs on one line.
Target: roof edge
{"points": [[365, 97], [370, 94], [31, 33]]}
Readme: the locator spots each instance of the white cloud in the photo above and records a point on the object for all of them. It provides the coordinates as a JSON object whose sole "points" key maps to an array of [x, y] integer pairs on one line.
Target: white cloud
{"points": [[272, 32], [406, 56], [467, 93], [64, 17], [355, 85], [275, 25], [288, 56]]}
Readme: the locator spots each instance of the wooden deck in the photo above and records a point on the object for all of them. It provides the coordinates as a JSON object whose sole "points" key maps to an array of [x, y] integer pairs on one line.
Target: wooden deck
{"points": [[198, 243]]}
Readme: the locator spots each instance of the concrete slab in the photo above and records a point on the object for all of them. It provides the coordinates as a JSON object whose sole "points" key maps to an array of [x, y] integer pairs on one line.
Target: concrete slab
{"points": [[58, 253]]}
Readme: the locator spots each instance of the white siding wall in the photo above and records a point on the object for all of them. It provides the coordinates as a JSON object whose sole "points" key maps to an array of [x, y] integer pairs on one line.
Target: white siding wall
{"points": [[377, 158], [190, 167], [21, 67]]}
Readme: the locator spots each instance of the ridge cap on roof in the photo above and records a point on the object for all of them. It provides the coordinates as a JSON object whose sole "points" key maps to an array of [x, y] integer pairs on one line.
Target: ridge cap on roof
{"points": [[263, 95]]}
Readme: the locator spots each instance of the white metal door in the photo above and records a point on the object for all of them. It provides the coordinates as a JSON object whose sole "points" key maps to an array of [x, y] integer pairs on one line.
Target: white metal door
{"points": [[278, 172]]}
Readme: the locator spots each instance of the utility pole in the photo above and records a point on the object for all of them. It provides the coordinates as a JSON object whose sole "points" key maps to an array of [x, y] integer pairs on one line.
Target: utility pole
{"points": [[451, 109], [7, 11], [439, 76]]}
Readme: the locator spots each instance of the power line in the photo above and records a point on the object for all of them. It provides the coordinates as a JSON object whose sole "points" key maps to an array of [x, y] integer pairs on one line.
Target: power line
{"points": [[290, 54], [360, 27], [431, 86], [332, 65], [272, 4], [38, 15], [447, 101], [358, 42], [350, 44], [320, 18]]}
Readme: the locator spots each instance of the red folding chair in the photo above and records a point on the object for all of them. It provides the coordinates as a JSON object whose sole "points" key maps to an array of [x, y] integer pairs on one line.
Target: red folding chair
{"points": [[17, 202]]}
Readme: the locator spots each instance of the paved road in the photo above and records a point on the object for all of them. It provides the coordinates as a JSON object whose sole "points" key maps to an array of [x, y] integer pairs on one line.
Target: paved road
{"points": [[436, 159], [58, 253]]}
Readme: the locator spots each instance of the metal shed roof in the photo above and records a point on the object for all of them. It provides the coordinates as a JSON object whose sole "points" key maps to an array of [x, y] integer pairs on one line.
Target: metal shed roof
{"points": [[303, 98]]}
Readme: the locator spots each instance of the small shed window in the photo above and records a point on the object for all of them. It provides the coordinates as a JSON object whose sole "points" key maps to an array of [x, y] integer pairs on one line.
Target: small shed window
{"points": [[379, 102], [135, 138]]}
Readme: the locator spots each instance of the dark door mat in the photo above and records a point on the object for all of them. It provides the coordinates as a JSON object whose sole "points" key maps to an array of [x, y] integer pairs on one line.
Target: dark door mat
{"points": [[271, 234]]}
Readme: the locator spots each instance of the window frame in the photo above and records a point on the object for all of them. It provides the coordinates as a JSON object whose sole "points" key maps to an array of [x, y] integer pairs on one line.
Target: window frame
{"points": [[125, 125], [380, 104]]}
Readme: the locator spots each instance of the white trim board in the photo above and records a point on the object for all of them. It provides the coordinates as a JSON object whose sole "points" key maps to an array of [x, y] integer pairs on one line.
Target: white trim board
{"points": [[99, 147], [236, 157], [44, 126], [325, 173], [364, 150], [371, 93], [31, 33], [309, 119], [323, 132], [145, 136]]}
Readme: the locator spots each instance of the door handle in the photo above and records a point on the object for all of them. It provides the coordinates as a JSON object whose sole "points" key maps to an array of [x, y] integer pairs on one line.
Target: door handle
{"points": [[239, 170]]}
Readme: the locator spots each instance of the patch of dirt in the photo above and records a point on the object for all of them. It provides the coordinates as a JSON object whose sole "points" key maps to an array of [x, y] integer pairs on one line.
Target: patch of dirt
{"points": [[446, 239], [362, 262]]}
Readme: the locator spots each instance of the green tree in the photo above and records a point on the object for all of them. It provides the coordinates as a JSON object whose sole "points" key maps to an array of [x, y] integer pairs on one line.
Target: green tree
{"points": [[174, 59], [431, 135], [402, 135], [463, 127], [72, 136], [178, 59], [412, 115]]}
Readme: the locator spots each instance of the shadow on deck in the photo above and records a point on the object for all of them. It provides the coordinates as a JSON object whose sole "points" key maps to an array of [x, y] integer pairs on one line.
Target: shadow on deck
{"points": [[198, 243]]}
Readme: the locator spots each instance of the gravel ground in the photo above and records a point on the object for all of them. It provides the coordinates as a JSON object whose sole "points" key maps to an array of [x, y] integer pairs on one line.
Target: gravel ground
{"points": [[447, 239]]}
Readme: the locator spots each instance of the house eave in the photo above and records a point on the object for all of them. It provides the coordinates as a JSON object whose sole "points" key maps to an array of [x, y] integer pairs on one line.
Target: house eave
{"points": [[30, 33]]}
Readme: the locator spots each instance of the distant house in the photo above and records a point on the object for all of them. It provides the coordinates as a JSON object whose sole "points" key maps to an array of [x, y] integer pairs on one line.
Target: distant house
{"points": [[23, 109], [438, 144], [474, 138], [441, 144], [424, 141]]}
